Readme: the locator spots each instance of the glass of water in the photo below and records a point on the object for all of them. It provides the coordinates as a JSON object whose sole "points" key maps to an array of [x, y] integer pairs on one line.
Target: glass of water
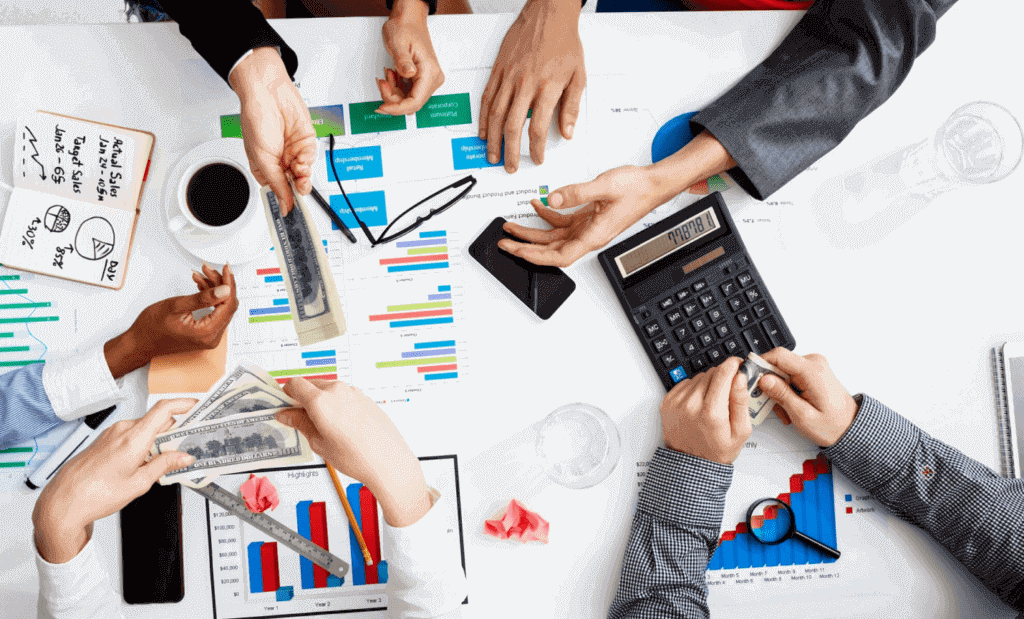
{"points": [[578, 445]]}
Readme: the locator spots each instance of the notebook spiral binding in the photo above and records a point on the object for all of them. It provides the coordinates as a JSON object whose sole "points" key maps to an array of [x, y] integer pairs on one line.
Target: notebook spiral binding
{"points": [[1003, 414]]}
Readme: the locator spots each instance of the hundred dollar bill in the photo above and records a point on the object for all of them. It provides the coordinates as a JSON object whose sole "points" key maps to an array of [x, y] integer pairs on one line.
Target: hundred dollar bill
{"points": [[232, 445], [760, 405], [312, 296], [246, 388]]}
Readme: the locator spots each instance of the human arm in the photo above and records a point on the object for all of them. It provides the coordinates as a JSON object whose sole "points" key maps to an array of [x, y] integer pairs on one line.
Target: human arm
{"points": [[417, 73], [355, 436], [539, 66], [679, 511], [96, 483], [972, 512], [839, 63], [36, 398]]}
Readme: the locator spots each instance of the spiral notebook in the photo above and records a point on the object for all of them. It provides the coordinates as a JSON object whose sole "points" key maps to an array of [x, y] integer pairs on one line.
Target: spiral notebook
{"points": [[77, 189], [1008, 372]]}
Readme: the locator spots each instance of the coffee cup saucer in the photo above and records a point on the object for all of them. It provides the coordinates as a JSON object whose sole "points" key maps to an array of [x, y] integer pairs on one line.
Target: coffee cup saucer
{"points": [[239, 247]]}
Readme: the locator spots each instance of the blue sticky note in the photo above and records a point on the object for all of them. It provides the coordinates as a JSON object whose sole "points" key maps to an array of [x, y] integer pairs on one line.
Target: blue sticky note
{"points": [[371, 207], [470, 153], [356, 163]]}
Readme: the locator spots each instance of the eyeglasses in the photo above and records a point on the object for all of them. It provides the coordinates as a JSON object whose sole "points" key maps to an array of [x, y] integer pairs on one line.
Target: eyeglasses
{"points": [[415, 215]]}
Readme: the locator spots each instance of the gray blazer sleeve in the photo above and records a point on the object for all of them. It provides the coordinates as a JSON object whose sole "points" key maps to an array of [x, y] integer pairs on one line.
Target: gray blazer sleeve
{"points": [[975, 514], [841, 61]]}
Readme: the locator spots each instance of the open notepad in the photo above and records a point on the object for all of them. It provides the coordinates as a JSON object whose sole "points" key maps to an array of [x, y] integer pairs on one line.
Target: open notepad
{"points": [[77, 188]]}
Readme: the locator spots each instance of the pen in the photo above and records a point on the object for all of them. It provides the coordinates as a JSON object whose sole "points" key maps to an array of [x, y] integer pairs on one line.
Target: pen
{"points": [[334, 216], [83, 435]]}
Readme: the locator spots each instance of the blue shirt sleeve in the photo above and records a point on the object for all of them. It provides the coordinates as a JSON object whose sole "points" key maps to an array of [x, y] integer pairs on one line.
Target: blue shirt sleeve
{"points": [[25, 409]]}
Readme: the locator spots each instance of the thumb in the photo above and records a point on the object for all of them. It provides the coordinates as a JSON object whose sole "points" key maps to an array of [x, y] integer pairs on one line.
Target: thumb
{"points": [[164, 464], [272, 171], [298, 419], [206, 298], [739, 401], [577, 195], [778, 390], [404, 63], [302, 391]]}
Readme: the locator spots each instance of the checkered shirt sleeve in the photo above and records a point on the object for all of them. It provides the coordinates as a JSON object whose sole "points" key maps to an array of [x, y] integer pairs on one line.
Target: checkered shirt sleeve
{"points": [[975, 514], [675, 531]]}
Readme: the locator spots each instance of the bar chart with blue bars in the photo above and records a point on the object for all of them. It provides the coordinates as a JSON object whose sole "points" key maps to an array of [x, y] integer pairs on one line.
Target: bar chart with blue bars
{"points": [[811, 496], [435, 307], [435, 360], [419, 251], [324, 362]]}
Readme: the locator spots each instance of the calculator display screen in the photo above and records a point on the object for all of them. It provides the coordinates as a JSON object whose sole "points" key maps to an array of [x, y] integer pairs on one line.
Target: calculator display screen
{"points": [[668, 242]]}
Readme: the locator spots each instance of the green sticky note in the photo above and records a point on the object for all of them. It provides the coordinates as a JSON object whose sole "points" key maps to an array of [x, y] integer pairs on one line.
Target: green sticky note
{"points": [[365, 120], [231, 126], [445, 110]]}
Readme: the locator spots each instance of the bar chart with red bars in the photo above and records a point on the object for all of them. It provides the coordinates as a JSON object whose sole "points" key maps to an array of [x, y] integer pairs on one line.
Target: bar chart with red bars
{"points": [[812, 498], [423, 251], [430, 360], [433, 308]]}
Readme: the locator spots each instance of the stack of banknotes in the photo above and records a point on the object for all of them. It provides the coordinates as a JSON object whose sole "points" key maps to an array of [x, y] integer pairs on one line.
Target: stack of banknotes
{"points": [[760, 405], [232, 430]]}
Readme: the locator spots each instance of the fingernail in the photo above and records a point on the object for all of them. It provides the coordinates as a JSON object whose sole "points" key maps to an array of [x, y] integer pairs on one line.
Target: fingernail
{"points": [[492, 158], [509, 168], [227, 268], [568, 131], [221, 291], [185, 460], [198, 274], [284, 418], [482, 134], [206, 266], [555, 199], [768, 381]]}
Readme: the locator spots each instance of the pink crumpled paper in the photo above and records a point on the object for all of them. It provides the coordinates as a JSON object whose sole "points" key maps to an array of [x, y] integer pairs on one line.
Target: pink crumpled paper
{"points": [[259, 494], [518, 523]]}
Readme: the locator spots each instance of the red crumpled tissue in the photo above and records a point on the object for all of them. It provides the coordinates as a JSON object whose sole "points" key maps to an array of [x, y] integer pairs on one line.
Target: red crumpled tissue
{"points": [[259, 494], [518, 523]]}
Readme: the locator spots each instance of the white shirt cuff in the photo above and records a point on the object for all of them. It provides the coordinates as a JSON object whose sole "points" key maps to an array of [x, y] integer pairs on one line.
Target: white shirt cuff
{"points": [[80, 385], [246, 55], [76, 589]]}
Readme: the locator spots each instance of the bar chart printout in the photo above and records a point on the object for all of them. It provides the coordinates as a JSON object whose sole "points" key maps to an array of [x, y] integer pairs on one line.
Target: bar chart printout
{"points": [[433, 308], [256, 576], [812, 499]]}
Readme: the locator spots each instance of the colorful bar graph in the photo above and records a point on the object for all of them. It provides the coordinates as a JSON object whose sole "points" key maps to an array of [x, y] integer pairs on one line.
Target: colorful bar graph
{"points": [[358, 562], [404, 315], [414, 362], [811, 498], [268, 563], [318, 535], [369, 527], [414, 259], [303, 529], [255, 567]]}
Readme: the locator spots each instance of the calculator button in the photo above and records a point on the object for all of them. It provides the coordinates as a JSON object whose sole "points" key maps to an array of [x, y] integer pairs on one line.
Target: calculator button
{"points": [[772, 329], [681, 332], [652, 329], [722, 330], [660, 345], [743, 318], [745, 279], [761, 310], [673, 317], [706, 339], [736, 304], [666, 303], [728, 288], [756, 340], [699, 323], [690, 348], [669, 359], [677, 373], [699, 363], [691, 308], [731, 347], [645, 315], [682, 294], [753, 295], [699, 285], [707, 299], [715, 314], [715, 354]]}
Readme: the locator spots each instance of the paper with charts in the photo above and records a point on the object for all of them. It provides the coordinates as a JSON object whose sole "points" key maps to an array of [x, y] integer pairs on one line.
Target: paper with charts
{"points": [[255, 576], [72, 212]]}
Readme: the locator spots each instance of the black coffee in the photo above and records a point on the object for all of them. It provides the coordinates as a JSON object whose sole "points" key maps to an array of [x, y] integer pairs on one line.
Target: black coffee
{"points": [[217, 194]]}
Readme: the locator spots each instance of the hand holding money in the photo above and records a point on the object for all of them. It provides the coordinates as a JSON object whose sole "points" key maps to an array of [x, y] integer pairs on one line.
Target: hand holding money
{"points": [[759, 405]]}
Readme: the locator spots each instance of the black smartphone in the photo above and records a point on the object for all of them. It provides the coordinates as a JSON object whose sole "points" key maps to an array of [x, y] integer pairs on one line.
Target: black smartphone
{"points": [[542, 289], [152, 566]]}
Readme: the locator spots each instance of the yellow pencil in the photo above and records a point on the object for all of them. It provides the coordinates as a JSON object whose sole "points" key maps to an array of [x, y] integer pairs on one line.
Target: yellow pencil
{"points": [[351, 515]]}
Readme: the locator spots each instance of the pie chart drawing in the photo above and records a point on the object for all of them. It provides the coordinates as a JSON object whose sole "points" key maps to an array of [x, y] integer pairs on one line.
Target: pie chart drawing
{"points": [[57, 218], [95, 238]]}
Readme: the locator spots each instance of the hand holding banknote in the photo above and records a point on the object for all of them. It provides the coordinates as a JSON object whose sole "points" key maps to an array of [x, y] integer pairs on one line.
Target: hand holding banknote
{"points": [[101, 480], [823, 411]]}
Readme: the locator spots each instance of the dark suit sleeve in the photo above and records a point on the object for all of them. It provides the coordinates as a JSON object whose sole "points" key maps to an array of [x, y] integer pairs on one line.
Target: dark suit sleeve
{"points": [[222, 31], [843, 59]]}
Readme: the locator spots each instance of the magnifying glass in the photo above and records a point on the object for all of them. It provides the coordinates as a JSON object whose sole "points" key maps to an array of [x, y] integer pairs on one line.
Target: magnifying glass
{"points": [[771, 521]]}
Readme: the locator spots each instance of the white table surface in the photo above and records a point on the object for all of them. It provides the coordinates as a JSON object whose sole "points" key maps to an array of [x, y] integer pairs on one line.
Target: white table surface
{"points": [[939, 287]]}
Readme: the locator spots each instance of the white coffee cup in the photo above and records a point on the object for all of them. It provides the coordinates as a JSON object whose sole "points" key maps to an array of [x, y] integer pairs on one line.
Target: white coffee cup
{"points": [[184, 219]]}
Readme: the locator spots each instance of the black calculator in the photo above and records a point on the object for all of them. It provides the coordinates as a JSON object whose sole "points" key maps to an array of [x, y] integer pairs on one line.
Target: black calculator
{"points": [[692, 293]]}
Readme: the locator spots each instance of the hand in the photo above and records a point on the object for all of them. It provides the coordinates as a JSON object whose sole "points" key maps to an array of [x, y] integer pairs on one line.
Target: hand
{"points": [[276, 127], [823, 411], [706, 416], [101, 480], [419, 74], [168, 326], [614, 201], [356, 437], [539, 65]]}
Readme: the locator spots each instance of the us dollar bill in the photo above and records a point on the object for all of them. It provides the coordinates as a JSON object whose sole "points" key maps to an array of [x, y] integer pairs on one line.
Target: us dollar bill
{"points": [[312, 295], [231, 445], [247, 388], [759, 405]]}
